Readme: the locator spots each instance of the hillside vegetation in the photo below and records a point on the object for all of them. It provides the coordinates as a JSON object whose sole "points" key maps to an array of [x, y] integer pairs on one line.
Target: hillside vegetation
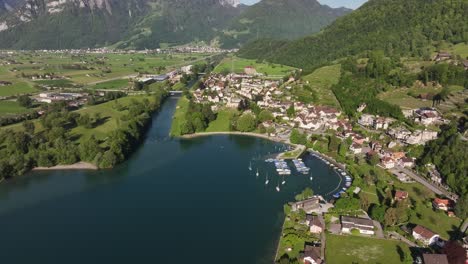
{"points": [[398, 27]]}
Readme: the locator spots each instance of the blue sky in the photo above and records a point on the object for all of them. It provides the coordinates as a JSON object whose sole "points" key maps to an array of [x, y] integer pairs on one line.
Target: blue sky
{"points": [[333, 3]]}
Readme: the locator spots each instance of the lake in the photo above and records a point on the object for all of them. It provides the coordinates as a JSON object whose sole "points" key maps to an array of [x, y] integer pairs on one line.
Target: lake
{"points": [[173, 201]]}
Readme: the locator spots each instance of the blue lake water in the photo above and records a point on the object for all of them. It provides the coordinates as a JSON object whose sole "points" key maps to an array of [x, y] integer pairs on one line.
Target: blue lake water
{"points": [[174, 201]]}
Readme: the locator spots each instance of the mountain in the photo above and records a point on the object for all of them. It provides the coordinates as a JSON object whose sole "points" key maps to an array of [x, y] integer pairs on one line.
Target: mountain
{"points": [[140, 24], [38, 24], [397, 27], [280, 19], [180, 22]]}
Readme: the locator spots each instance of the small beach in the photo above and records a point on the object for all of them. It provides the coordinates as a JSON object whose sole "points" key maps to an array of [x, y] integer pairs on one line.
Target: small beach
{"points": [[76, 166]]}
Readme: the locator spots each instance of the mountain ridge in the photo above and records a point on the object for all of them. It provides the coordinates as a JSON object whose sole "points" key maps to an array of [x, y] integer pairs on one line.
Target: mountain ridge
{"points": [[140, 24]]}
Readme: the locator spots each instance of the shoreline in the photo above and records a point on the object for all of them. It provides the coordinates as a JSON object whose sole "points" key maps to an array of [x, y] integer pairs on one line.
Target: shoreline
{"points": [[299, 148], [237, 133], [76, 166]]}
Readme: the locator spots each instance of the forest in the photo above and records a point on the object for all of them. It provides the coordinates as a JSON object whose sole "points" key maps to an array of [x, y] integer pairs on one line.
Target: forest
{"points": [[398, 27], [54, 145]]}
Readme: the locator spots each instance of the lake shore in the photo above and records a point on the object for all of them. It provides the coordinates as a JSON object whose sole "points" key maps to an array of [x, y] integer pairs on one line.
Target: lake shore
{"points": [[297, 148], [251, 134], [76, 166]]}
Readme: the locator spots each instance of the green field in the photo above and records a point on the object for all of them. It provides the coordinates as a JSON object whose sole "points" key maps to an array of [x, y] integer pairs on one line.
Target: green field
{"points": [[91, 68], [223, 121], [11, 107], [459, 49], [321, 81], [238, 64], [401, 98], [16, 88], [113, 85], [109, 114], [179, 116], [356, 249]]}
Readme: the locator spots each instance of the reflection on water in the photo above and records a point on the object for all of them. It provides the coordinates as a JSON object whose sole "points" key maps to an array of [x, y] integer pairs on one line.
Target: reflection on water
{"points": [[173, 200]]}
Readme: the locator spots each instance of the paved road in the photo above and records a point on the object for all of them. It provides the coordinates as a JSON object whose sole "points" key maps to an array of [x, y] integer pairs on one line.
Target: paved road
{"points": [[402, 238], [379, 231], [323, 239], [426, 183]]}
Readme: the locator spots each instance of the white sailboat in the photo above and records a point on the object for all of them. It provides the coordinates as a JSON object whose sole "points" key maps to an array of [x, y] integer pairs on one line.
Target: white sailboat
{"points": [[277, 187], [250, 166], [256, 174], [267, 181], [283, 182], [311, 178]]}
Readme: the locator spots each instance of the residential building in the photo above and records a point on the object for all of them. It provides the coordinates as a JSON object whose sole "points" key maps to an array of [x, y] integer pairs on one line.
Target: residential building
{"points": [[387, 163], [309, 206], [315, 226], [435, 259], [442, 204], [355, 148], [365, 226], [311, 255], [425, 235], [400, 196]]}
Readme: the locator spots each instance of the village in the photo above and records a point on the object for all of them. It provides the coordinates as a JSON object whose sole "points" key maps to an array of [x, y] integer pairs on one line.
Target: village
{"points": [[371, 138]]}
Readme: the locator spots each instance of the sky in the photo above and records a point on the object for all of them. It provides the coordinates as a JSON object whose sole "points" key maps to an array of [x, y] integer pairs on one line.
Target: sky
{"points": [[333, 3]]}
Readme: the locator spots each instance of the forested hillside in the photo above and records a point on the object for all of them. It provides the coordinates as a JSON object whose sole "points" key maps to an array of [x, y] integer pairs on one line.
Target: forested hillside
{"points": [[279, 19], [398, 27]]}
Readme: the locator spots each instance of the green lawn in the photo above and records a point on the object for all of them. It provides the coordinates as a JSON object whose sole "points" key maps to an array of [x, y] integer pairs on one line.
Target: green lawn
{"points": [[11, 107], [223, 121], [423, 213], [179, 116], [113, 85], [16, 88], [356, 249], [110, 113], [321, 81], [238, 65], [460, 49], [401, 98]]}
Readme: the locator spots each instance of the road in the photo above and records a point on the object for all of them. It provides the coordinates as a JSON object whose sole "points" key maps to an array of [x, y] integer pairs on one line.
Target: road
{"points": [[426, 183], [402, 238]]}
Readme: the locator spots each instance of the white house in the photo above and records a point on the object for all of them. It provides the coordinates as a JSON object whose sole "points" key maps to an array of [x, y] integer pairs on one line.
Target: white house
{"points": [[365, 226], [425, 235]]}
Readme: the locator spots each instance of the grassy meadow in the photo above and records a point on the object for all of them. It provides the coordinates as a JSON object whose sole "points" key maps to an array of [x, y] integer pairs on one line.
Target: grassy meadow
{"points": [[238, 64], [357, 249], [321, 81]]}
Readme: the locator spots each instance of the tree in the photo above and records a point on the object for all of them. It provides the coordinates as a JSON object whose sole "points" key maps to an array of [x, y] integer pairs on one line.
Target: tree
{"points": [[343, 149], [109, 160], [291, 111], [373, 159], [333, 143], [297, 137], [24, 101], [378, 212], [246, 123], [364, 201], [29, 127], [89, 149], [461, 208], [265, 115], [391, 217]]}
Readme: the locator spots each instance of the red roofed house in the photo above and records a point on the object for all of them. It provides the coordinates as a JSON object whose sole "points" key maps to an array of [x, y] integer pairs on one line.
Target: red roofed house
{"points": [[425, 235], [442, 204], [400, 195]]}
